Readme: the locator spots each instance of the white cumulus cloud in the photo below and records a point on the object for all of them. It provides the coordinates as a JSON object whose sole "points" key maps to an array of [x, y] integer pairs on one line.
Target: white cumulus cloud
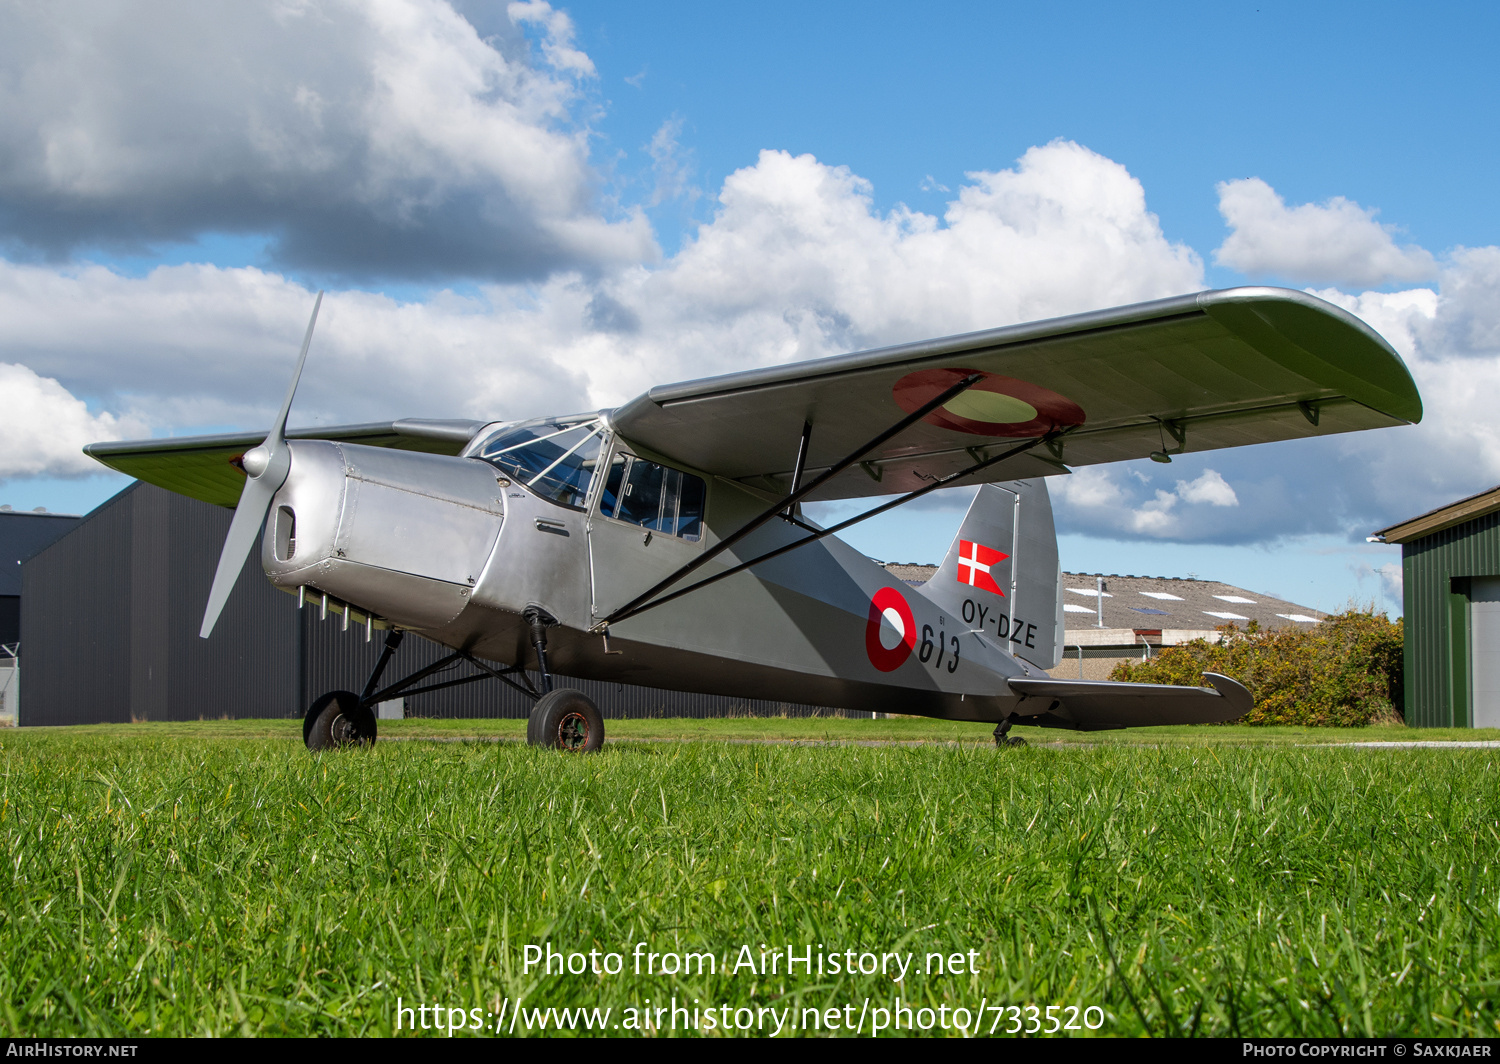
{"points": [[364, 137], [796, 263], [1089, 488], [1209, 488], [1338, 242], [1093, 499], [43, 427], [201, 348]]}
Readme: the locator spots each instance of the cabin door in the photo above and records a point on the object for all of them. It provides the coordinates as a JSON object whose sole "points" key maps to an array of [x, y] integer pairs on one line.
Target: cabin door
{"points": [[647, 521]]}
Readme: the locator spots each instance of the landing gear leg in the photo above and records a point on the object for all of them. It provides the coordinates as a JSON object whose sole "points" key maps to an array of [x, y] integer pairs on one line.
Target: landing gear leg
{"points": [[392, 644], [562, 719], [537, 729], [540, 620], [1002, 739]]}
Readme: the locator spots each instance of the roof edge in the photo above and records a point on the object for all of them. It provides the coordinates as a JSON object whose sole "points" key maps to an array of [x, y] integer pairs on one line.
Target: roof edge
{"points": [[1444, 517]]}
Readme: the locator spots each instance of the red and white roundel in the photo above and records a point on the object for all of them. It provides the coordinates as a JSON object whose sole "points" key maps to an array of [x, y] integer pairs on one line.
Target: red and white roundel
{"points": [[994, 406], [891, 632]]}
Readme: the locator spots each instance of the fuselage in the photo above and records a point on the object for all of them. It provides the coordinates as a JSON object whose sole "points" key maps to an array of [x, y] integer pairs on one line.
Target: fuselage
{"points": [[564, 516]]}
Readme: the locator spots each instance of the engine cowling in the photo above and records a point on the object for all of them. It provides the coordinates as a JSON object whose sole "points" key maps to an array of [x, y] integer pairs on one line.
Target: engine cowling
{"points": [[402, 534]]}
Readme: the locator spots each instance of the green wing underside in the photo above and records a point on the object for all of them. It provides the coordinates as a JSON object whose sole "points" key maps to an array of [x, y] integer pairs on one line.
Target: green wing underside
{"points": [[1224, 369], [203, 467], [1194, 373]]}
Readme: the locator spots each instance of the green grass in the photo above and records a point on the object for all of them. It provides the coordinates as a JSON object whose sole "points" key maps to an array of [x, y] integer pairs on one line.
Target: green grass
{"points": [[197, 879], [810, 729]]}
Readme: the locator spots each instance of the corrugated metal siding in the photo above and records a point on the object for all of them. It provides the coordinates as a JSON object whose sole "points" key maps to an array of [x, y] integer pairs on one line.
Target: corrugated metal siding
{"points": [[75, 616], [248, 667], [112, 610], [1435, 570], [149, 555]]}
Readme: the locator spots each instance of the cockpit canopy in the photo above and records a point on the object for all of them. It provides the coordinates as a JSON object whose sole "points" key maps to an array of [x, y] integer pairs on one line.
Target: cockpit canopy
{"points": [[554, 458]]}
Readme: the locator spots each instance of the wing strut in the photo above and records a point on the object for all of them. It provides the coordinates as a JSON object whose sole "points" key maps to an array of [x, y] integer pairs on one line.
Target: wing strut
{"points": [[800, 466], [796, 496], [633, 609]]}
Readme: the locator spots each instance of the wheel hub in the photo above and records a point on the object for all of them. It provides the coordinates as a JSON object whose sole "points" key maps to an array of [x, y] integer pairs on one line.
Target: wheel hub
{"points": [[344, 731], [573, 732]]}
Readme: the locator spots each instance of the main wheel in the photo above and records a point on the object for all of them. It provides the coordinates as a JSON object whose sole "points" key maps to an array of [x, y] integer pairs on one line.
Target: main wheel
{"points": [[337, 719], [566, 720]]}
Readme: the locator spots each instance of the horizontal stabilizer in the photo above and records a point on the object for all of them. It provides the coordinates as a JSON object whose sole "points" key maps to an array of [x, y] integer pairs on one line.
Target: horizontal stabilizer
{"points": [[1091, 705]]}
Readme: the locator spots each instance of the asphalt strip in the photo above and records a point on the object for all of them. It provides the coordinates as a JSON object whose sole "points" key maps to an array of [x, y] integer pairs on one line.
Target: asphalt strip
{"points": [[1415, 744], [724, 742], [1486, 744]]}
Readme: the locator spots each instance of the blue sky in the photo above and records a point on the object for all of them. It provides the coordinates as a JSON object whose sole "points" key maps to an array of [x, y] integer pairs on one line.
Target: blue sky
{"points": [[531, 177], [1385, 104]]}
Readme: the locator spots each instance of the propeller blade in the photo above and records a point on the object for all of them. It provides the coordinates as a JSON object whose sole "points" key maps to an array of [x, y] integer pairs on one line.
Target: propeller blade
{"points": [[278, 430], [244, 533], [266, 469]]}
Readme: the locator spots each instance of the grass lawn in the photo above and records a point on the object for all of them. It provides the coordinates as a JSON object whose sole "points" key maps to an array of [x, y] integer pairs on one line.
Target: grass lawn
{"points": [[806, 729], [215, 878]]}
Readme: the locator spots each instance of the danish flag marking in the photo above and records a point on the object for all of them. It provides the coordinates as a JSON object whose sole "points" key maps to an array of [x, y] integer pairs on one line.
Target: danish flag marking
{"points": [[974, 563]]}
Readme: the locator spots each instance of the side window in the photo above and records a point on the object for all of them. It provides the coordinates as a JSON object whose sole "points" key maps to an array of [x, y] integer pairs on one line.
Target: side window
{"points": [[689, 506], [644, 496], [610, 494], [654, 496]]}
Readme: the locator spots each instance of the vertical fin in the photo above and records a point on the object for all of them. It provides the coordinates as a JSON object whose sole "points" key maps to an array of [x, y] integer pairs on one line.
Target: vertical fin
{"points": [[1015, 598]]}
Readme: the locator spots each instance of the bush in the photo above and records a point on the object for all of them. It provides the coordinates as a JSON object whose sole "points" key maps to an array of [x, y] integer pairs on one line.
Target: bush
{"points": [[1342, 672]]}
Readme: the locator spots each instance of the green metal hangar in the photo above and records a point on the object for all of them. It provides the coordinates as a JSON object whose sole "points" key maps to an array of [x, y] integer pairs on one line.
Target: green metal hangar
{"points": [[1450, 568]]}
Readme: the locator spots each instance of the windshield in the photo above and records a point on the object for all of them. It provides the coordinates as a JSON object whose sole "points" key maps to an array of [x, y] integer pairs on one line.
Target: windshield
{"points": [[555, 460]]}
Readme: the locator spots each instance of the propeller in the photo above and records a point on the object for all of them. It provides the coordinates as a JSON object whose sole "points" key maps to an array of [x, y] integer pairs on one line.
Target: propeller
{"points": [[266, 468]]}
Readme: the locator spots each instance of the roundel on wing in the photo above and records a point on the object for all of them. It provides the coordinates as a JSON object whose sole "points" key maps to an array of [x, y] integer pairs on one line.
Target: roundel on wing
{"points": [[891, 631], [995, 406]]}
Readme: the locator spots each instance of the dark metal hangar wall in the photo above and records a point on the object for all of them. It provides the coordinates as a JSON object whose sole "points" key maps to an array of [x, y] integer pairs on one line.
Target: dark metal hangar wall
{"points": [[110, 615]]}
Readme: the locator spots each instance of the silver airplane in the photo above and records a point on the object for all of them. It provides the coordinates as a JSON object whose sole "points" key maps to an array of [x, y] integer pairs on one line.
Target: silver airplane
{"points": [[663, 542]]}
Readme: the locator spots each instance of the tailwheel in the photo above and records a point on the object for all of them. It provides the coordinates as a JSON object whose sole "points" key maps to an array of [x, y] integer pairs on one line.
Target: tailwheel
{"points": [[1003, 740], [566, 720], [337, 720]]}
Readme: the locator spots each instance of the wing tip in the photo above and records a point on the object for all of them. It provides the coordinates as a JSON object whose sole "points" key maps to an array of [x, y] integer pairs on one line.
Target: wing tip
{"points": [[1290, 326]]}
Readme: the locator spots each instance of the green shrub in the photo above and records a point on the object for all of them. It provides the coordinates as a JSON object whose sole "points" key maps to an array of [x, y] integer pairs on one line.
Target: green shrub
{"points": [[1342, 672]]}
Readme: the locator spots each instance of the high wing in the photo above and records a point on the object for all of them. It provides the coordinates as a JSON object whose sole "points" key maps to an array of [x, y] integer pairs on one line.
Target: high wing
{"points": [[204, 467], [1193, 373]]}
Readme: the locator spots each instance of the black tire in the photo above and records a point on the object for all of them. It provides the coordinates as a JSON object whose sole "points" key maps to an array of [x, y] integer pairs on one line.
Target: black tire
{"points": [[336, 720], [566, 720]]}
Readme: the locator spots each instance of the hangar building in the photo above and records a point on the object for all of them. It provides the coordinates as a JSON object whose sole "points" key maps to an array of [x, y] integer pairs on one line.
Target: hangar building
{"points": [[22, 534], [1450, 570]]}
